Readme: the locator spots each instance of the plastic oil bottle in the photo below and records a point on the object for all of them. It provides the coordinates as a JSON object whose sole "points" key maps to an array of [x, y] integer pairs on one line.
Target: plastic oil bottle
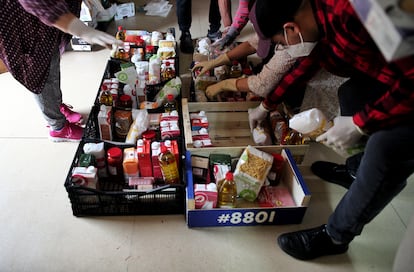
{"points": [[169, 166], [227, 192]]}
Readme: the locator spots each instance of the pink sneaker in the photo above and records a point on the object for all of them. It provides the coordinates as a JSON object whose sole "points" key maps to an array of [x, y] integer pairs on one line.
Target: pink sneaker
{"points": [[72, 116], [69, 133]]}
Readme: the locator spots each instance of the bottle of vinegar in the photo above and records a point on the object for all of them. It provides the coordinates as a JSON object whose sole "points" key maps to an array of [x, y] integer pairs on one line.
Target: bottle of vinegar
{"points": [[169, 166], [227, 192]]}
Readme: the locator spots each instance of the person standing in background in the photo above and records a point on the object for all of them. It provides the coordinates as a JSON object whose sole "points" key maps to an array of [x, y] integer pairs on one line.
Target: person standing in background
{"points": [[33, 35], [240, 20], [184, 17]]}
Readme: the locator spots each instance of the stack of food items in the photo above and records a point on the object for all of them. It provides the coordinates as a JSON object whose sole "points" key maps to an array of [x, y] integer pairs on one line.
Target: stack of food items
{"points": [[257, 175]]}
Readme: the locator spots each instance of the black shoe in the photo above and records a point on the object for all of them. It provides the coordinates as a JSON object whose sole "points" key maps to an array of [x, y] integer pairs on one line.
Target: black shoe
{"points": [[214, 36], [332, 172], [310, 244], [186, 43]]}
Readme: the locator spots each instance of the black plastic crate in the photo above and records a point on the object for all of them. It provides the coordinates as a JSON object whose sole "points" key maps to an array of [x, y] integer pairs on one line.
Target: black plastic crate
{"points": [[110, 199]]}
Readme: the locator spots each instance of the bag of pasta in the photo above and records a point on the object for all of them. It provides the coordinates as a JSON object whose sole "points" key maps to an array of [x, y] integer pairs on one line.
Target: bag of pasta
{"points": [[251, 172]]}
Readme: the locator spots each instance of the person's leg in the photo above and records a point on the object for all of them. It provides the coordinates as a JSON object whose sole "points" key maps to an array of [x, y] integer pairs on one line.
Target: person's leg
{"points": [[50, 102], [184, 19], [214, 19], [225, 12], [382, 174], [352, 95], [50, 99]]}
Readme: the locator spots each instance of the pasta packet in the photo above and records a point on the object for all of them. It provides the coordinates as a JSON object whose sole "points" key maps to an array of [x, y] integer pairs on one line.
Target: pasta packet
{"points": [[251, 172]]}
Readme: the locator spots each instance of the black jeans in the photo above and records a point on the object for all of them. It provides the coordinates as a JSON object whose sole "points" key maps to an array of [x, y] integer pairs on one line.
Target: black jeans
{"points": [[184, 15], [384, 168]]}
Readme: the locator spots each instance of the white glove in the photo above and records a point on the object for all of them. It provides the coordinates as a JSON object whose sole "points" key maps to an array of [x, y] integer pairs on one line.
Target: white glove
{"points": [[211, 64], [344, 133], [77, 28], [257, 115]]}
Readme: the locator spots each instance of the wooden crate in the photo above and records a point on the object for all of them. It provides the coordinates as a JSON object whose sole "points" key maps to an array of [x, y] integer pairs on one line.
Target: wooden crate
{"points": [[228, 127]]}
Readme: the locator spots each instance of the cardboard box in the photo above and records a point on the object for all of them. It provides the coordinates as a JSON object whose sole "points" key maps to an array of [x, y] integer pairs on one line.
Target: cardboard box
{"points": [[390, 23], [250, 213]]}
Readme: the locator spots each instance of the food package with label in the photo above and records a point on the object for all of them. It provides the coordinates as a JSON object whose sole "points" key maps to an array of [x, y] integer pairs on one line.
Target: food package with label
{"points": [[251, 172]]}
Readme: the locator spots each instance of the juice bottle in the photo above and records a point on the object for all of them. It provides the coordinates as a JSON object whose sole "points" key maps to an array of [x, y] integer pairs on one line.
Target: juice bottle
{"points": [[169, 167], [227, 192]]}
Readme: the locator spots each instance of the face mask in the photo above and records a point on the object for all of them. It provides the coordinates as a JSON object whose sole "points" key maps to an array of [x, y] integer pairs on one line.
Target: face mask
{"points": [[301, 49]]}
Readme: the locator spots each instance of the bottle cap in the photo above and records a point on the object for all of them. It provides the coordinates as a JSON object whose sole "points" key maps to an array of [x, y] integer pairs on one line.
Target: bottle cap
{"points": [[119, 28], [229, 176], [164, 149], [149, 135], [115, 152], [170, 97]]}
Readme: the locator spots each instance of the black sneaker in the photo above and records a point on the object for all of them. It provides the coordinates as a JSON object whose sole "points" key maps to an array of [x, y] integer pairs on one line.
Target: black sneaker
{"points": [[332, 172], [214, 36], [186, 43], [310, 244]]}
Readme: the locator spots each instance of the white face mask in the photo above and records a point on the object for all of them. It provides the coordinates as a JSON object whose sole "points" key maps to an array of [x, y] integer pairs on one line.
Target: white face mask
{"points": [[301, 49]]}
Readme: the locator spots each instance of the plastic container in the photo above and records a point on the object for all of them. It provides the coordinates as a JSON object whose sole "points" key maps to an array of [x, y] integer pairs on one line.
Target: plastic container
{"points": [[114, 159], [227, 192], [169, 166]]}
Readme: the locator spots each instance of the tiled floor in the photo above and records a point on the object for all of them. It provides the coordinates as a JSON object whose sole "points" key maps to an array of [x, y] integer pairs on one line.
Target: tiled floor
{"points": [[39, 232]]}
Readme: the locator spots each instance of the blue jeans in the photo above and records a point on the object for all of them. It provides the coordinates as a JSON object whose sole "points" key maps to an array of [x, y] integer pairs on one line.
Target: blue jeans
{"points": [[184, 15], [385, 166]]}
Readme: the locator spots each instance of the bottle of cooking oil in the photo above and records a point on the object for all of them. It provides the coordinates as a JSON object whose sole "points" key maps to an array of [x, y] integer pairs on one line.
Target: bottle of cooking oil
{"points": [[169, 166], [227, 192]]}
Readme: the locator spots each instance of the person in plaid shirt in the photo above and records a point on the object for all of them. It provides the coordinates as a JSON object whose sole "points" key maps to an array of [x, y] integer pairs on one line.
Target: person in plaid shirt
{"points": [[376, 103], [33, 34]]}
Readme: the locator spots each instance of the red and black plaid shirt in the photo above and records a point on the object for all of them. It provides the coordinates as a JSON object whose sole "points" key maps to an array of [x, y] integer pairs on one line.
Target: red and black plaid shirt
{"points": [[28, 40], [346, 49]]}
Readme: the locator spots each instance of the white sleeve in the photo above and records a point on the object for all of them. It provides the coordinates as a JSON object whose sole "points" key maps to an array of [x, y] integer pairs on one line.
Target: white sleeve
{"points": [[266, 81]]}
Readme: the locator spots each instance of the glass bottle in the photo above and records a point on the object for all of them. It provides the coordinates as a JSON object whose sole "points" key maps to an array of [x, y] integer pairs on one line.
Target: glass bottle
{"points": [[235, 70], [120, 34], [169, 166], [106, 97], [227, 192], [171, 104]]}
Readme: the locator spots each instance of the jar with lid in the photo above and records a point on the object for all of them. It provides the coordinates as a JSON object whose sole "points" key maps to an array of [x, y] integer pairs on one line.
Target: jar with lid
{"points": [[114, 160], [125, 101], [171, 104], [235, 70], [105, 97], [120, 34]]}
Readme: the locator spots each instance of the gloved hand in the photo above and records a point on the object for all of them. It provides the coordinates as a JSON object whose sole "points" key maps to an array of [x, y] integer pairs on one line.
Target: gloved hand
{"points": [[227, 39], [208, 65], [224, 85], [77, 28], [257, 115], [344, 133]]}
